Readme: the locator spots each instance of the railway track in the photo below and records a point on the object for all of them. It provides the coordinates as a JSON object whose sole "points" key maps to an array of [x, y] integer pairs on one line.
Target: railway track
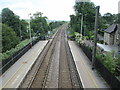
{"points": [[64, 71], [54, 67], [42, 74]]}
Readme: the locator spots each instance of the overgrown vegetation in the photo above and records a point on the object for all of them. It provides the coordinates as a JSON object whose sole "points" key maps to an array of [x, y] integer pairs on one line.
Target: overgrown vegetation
{"points": [[9, 38], [108, 60], [53, 31], [55, 24], [10, 52], [14, 30], [39, 25], [87, 11], [16, 34]]}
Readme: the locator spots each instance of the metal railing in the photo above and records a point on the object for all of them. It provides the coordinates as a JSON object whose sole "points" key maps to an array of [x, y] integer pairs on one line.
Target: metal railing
{"points": [[7, 63]]}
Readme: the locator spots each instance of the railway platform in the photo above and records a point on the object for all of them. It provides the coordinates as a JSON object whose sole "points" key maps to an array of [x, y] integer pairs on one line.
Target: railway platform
{"points": [[89, 78], [17, 72]]}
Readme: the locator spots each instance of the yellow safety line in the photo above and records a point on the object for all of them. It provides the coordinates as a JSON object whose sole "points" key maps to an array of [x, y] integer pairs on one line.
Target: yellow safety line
{"points": [[89, 72], [12, 76], [16, 72]]}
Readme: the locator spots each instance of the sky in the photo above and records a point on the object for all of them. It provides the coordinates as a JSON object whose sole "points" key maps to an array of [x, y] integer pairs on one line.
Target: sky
{"points": [[54, 9]]}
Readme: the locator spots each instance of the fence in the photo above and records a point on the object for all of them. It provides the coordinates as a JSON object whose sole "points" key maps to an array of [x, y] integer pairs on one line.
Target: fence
{"points": [[6, 64], [105, 73]]}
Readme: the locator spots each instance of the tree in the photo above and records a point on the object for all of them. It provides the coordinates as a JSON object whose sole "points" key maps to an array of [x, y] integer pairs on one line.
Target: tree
{"points": [[10, 19], [13, 21], [23, 29], [87, 9], [55, 24], [117, 19], [9, 38], [39, 24], [109, 18]]}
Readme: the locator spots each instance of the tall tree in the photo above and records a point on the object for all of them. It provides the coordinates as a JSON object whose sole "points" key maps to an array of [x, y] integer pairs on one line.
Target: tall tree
{"points": [[39, 24], [9, 38], [109, 18], [10, 19], [23, 29], [55, 24], [87, 9]]}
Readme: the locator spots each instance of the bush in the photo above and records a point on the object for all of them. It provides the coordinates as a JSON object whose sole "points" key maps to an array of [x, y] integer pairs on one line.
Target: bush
{"points": [[108, 60], [10, 52]]}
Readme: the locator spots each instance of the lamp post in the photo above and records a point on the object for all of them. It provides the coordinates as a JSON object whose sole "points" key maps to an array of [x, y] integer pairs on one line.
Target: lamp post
{"points": [[30, 29], [81, 23], [29, 25]]}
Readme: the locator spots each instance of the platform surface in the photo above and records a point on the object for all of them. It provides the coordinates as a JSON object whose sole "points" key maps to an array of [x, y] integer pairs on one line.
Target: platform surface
{"points": [[90, 78], [16, 73]]}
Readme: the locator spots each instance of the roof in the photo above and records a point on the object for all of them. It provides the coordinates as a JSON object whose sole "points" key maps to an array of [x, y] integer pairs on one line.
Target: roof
{"points": [[111, 29]]}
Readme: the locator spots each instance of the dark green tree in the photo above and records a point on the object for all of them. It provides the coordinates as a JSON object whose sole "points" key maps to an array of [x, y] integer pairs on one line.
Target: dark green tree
{"points": [[87, 9], [117, 18], [55, 24], [10, 19], [23, 29], [109, 18], [9, 38], [39, 24]]}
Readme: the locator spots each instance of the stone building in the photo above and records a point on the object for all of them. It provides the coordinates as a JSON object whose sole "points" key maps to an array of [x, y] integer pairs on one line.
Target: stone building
{"points": [[111, 36]]}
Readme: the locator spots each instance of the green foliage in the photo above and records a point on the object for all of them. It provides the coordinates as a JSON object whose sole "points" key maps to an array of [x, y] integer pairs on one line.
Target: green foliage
{"points": [[71, 32], [117, 19], [90, 34], [55, 24], [23, 29], [87, 9], [78, 38], [108, 61], [109, 18], [10, 52], [39, 24], [106, 20], [10, 19], [53, 31], [9, 38], [13, 29]]}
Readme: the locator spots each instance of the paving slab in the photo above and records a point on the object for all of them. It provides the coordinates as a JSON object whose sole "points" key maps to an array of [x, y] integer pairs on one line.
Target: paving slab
{"points": [[16, 73], [90, 78]]}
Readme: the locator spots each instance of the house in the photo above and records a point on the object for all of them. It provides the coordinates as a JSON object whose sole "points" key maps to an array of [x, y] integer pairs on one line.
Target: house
{"points": [[111, 35]]}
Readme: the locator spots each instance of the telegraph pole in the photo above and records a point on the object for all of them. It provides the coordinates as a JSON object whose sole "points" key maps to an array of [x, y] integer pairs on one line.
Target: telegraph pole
{"points": [[30, 30], [119, 38], [29, 26], [95, 37], [119, 28]]}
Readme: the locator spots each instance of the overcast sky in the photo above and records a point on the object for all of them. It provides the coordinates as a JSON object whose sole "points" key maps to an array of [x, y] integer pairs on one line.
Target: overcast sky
{"points": [[54, 9]]}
